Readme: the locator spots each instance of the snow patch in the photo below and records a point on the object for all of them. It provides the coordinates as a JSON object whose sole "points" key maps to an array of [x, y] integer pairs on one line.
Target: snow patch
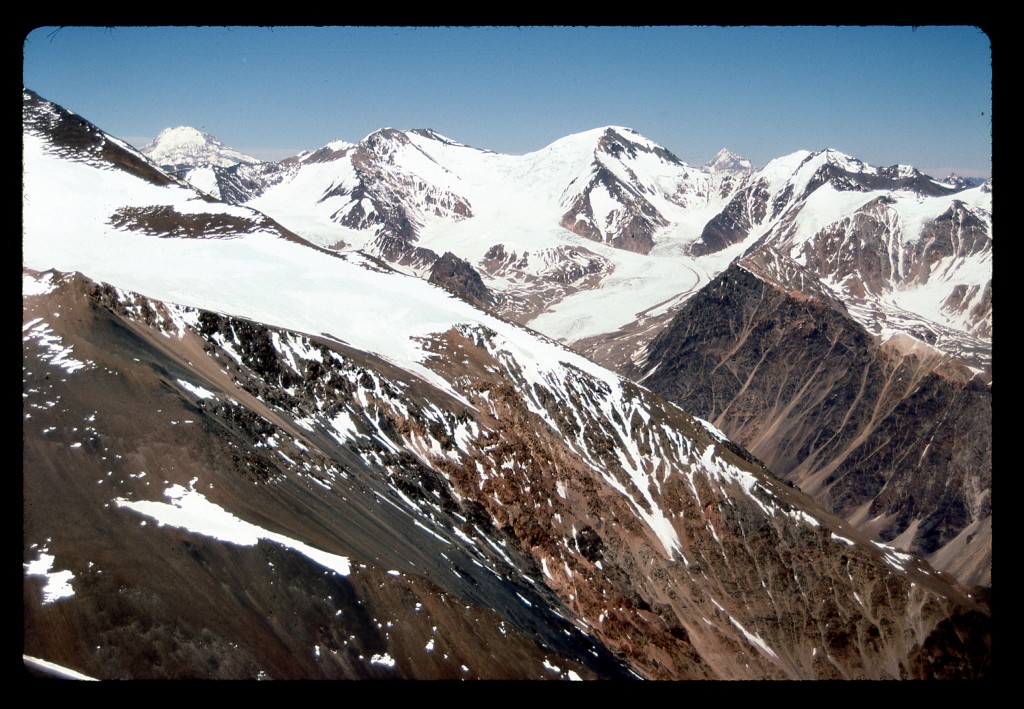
{"points": [[196, 390], [383, 659], [191, 511], [58, 583]]}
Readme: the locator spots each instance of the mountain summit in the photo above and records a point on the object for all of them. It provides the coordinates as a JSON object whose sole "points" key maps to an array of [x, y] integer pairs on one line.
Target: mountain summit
{"points": [[728, 161], [185, 146]]}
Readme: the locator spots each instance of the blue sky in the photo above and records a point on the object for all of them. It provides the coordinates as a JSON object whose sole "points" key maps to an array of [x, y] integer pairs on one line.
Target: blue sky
{"points": [[885, 95]]}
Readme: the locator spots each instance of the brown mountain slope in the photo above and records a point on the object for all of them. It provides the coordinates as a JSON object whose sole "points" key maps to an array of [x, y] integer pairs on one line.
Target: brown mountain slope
{"points": [[894, 437], [551, 529]]}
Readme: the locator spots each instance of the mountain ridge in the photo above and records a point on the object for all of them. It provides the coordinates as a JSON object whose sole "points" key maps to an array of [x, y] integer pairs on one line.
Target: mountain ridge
{"points": [[480, 482], [376, 206]]}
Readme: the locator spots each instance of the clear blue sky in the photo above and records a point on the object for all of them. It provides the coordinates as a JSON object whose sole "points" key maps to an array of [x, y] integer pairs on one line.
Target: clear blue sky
{"points": [[885, 95]]}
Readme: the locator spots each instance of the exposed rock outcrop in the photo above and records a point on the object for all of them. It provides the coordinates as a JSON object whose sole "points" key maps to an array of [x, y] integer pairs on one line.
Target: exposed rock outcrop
{"points": [[459, 278], [898, 440]]}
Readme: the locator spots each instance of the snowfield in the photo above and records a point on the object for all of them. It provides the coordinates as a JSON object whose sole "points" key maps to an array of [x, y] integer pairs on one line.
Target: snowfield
{"points": [[258, 276]]}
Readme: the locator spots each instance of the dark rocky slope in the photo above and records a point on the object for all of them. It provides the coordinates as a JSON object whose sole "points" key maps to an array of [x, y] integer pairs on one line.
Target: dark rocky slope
{"points": [[895, 437], [503, 536], [459, 278], [427, 596]]}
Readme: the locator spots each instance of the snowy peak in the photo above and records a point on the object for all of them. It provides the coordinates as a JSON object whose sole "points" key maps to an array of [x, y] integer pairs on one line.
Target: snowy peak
{"points": [[848, 174], [385, 139], [185, 146], [432, 134], [957, 182], [623, 143], [728, 161], [633, 188], [547, 497], [390, 143]]}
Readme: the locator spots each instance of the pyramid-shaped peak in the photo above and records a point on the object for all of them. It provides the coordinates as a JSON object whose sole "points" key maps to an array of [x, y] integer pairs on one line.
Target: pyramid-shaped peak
{"points": [[727, 161]]}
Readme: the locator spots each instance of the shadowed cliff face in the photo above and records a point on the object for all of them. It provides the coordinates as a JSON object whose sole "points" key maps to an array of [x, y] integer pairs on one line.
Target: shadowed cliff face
{"points": [[894, 438], [539, 527], [459, 278]]}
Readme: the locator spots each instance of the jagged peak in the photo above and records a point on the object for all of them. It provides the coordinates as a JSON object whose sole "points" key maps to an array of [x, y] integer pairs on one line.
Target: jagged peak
{"points": [[727, 161], [851, 164], [339, 144], [958, 181], [846, 162]]}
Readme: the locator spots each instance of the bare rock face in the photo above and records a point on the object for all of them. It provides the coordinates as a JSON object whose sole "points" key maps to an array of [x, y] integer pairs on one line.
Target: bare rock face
{"points": [[205, 496], [240, 183], [734, 223], [869, 248], [534, 280], [613, 143], [393, 202], [614, 206], [758, 202], [628, 225], [458, 277], [859, 248], [373, 193], [165, 222], [966, 298], [854, 176], [154, 600], [898, 440]]}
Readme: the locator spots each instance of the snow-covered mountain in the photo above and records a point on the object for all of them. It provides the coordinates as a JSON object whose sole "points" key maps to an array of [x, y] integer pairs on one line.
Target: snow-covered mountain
{"points": [[861, 300], [187, 147], [905, 252], [602, 238], [727, 161], [596, 201], [247, 456]]}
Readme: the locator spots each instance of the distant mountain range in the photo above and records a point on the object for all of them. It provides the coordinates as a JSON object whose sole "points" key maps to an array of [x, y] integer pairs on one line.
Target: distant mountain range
{"points": [[261, 440], [902, 259]]}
